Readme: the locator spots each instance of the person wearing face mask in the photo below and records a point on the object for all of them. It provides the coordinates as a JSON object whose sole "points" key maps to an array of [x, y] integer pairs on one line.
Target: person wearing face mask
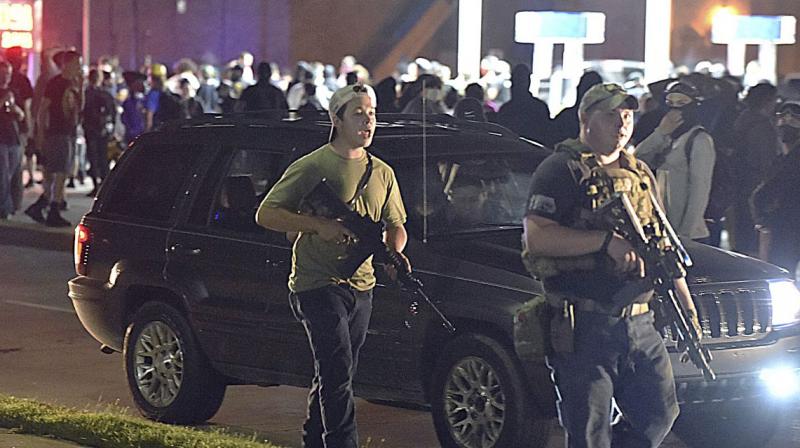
{"points": [[774, 204], [755, 150], [681, 153], [430, 91]]}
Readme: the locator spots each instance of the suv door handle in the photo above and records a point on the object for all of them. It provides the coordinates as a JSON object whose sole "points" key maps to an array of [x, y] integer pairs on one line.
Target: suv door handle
{"points": [[181, 250]]}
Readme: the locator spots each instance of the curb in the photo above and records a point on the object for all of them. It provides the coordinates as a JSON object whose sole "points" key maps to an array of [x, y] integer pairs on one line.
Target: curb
{"points": [[20, 230]]}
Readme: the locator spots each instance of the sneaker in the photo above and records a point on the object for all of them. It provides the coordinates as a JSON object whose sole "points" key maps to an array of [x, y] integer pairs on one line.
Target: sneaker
{"points": [[35, 213], [42, 201], [54, 219], [71, 183]]}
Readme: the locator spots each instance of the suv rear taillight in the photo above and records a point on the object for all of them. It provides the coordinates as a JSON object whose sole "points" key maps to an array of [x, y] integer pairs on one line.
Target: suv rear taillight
{"points": [[82, 239]]}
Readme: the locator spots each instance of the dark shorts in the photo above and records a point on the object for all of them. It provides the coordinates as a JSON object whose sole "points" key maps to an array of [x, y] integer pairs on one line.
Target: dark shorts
{"points": [[58, 152]]}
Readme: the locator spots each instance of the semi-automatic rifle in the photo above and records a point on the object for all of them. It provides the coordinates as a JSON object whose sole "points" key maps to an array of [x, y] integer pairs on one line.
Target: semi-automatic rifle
{"points": [[664, 263], [323, 201]]}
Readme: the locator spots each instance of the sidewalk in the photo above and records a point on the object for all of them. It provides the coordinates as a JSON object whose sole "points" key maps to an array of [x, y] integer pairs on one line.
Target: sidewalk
{"points": [[11, 440], [21, 230]]}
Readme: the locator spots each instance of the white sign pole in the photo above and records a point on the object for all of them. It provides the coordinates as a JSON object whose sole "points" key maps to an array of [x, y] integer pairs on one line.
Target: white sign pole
{"points": [[35, 56], [768, 61], [470, 15], [736, 58], [657, 28], [572, 71], [542, 66]]}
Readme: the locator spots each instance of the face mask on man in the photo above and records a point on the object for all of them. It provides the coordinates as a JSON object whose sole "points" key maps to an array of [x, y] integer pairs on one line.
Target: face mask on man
{"points": [[691, 117], [788, 134], [432, 94]]}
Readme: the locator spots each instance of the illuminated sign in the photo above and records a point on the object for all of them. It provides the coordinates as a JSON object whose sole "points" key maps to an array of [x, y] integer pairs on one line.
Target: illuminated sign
{"points": [[729, 28], [556, 26], [16, 25]]}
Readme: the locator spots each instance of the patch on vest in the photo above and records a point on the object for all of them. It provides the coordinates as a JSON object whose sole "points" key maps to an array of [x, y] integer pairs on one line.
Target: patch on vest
{"points": [[542, 204]]}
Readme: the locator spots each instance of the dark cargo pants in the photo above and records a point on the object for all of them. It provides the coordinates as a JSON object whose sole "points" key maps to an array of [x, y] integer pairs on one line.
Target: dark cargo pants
{"points": [[336, 319], [623, 358]]}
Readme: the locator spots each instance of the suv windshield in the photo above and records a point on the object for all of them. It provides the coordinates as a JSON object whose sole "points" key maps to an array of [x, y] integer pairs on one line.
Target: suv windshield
{"points": [[461, 194]]}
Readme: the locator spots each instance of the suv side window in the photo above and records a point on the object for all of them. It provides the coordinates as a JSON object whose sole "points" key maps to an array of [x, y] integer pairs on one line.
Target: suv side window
{"points": [[464, 192], [148, 187], [228, 200]]}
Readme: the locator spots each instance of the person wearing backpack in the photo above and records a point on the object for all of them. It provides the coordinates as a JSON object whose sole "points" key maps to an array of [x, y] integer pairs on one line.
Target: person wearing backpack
{"points": [[681, 153]]}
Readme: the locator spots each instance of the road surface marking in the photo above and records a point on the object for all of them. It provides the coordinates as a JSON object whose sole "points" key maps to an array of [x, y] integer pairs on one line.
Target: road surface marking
{"points": [[42, 307]]}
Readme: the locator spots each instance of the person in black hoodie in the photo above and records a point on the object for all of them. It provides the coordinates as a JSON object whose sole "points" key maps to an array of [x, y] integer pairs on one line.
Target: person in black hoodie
{"points": [[525, 114], [99, 116], [262, 95], [775, 205], [566, 124]]}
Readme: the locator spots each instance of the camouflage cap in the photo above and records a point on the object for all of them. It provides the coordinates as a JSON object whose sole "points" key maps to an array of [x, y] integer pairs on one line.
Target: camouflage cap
{"points": [[608, 97]]}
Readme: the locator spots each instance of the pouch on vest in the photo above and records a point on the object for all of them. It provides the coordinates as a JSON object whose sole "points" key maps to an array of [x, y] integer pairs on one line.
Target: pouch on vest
{"points": [[532, 329]]}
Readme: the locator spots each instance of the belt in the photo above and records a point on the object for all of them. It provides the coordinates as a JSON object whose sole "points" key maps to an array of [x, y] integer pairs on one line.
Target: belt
{"points": [[590, 306], [635, 309]]}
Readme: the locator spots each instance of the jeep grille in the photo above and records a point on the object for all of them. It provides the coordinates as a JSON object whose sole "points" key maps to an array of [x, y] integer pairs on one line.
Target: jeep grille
{"points": [[742, 313]]}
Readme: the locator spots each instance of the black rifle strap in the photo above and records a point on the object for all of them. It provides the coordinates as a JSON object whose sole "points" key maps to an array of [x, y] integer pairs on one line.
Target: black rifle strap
{"points": [[362, 184]]}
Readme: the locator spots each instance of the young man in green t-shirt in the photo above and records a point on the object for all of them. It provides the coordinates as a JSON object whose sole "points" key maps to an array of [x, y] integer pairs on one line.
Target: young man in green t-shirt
{"points": [[333, 306]]}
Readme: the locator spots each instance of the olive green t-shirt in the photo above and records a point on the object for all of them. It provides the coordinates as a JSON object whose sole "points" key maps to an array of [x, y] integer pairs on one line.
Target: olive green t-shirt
{"points": [[316, 262]]}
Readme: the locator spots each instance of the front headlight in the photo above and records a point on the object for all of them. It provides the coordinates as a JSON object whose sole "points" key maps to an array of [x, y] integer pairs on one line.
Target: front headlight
{"points": [[785, 302], [797, 274], [781, 382]]}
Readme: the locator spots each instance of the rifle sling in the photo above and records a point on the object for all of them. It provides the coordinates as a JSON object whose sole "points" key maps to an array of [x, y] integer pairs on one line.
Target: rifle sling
{"points": [[362, 183]]}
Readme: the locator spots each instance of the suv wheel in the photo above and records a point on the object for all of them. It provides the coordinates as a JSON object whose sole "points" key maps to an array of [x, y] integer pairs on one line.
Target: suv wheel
{"points": [[479, 399], [168, 375]]}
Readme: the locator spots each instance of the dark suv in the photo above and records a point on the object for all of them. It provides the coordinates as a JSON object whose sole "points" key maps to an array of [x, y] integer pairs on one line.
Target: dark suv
{"points": [[174, 273]]}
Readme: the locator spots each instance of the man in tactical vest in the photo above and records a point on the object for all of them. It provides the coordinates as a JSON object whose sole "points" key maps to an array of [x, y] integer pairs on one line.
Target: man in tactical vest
{"points": [[604, 343]]}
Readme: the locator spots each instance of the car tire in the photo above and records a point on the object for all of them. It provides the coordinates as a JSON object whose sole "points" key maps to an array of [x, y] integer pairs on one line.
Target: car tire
{"points": [[479, 398], [169, 376]]}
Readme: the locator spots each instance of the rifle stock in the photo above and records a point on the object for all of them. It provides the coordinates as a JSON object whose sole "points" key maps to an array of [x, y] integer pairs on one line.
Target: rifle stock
{"points": [[323, 201], [663, 266]]}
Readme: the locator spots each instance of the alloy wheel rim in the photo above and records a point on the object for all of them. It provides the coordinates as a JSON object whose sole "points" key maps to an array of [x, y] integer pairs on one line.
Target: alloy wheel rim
{"points": [[474, 403], [158, 360]]}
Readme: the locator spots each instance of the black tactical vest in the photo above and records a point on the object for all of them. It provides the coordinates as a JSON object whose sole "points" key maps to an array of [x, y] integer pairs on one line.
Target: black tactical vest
{"points": [[596, 185]]}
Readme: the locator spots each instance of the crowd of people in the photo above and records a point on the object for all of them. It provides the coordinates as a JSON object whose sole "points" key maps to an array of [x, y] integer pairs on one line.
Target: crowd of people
{"points": [[710, 142]]}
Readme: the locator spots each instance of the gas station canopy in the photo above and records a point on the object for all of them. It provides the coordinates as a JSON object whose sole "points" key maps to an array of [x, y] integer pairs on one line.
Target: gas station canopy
{"points": [[540, 26], [753, 30]]}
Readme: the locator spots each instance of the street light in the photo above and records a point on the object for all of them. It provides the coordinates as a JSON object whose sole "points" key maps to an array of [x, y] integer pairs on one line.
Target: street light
{"points": [[722, 12]]}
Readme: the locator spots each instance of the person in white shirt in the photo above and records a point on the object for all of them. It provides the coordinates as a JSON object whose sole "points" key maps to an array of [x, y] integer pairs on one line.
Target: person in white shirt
{"points": [[682, 155]]}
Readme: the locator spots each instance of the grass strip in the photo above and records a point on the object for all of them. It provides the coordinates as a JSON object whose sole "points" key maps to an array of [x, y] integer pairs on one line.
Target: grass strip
{"points": [[111, 429]]}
